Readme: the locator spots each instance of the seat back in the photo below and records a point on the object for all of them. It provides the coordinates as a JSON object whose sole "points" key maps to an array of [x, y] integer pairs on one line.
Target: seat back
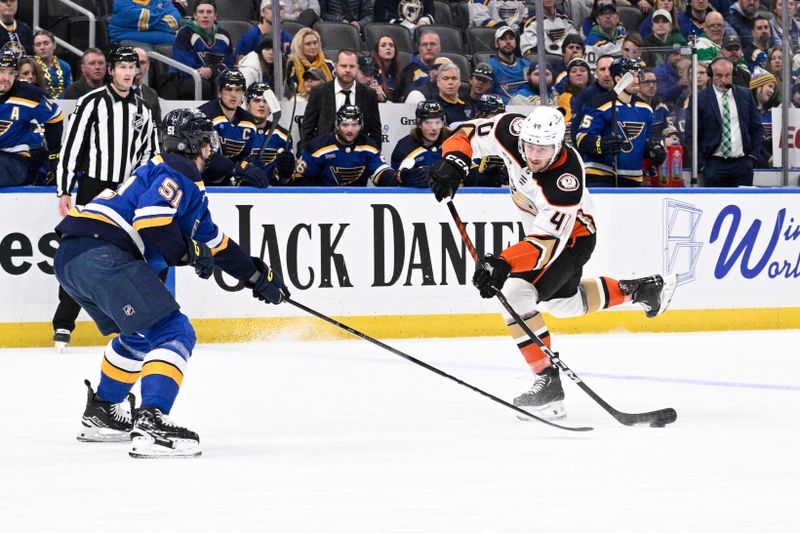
{"points": [[338, 35], [236, 28], [630, 17], [442, 14], [375, 30], [481, 39], [461, 61]]}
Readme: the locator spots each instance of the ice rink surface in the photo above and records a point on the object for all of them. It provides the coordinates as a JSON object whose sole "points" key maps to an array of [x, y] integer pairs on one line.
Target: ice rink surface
{"points": [[342, 436]]}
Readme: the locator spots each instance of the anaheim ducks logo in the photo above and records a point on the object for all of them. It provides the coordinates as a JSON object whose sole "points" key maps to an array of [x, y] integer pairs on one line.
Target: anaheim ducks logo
{"points": [[630, 130], [232, 148], [267, 157], [347, 175], [4, 125]]}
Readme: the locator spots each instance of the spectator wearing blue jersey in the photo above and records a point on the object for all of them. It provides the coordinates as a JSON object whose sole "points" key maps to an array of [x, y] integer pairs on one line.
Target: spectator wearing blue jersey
{"points": [[248, 42], [510, 72], [144, 23], [691, 20], [416, 74], [111, 252], [14, 31], [203, 46], [23, 109], [57, 72]]}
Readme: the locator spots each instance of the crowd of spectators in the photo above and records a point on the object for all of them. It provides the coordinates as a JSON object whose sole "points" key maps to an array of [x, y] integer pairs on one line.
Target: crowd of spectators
{"points": [[581, 39]]}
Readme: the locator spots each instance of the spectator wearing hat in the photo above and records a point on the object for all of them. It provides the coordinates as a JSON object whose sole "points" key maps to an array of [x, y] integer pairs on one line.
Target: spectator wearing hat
{"points": [[496, 13], [312, 77], [691, 20], [480, 83], [143, 24], [764, 86], [557, 26], [448, 80], [709, 43], [732, 49], [427, 88], [249, 41], [571, 47], [646, 27], [415, 74], [259, 64], [326, 99], [663, 35], [367, 75], [607, 36], [14, 31], [730, 139], [578, 77], [384, 56], [510, 72]]}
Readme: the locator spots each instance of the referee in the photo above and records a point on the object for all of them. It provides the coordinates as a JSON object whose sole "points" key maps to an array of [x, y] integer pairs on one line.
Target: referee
{"points": [[111, 132]]}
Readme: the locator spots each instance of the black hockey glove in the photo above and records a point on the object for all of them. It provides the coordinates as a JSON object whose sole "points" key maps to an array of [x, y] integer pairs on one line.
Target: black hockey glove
{"points": [[609, 145], [284, 166], [446, 175], [656, 152], [414, 177], [490, 275], [199, 256], [251, 174], [267, 284]]}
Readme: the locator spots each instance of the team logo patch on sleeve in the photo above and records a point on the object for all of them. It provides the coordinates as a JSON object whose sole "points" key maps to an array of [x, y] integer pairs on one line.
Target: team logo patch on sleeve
{"points": [[516, 126], [568, 183]]}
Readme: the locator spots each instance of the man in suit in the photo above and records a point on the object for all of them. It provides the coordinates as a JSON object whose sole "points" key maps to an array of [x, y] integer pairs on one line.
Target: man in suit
{"points": [[729, 132], [326, 99]]}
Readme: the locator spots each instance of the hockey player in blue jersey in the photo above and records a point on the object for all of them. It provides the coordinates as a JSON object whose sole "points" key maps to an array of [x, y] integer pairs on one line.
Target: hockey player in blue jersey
{"points": [[110, 254], [24, 108], [277, 158], [346, 157], [614, 153], [417, 151], [236, 129]]}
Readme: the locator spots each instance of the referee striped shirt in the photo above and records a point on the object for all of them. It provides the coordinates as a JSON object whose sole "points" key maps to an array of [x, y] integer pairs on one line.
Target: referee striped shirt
{"points": [[107, 138]]}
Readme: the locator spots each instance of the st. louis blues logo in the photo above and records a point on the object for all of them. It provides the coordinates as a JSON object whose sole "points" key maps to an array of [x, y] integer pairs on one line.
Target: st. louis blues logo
{"points": [[346, 175], [630, 130], [232, 148], [4, 125], [267, 157]]}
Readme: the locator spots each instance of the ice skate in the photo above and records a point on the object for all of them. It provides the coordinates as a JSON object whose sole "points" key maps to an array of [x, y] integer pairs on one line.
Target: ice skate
{"points": [[105, 421], [61, 338], [653, 293], [155, 436], [545, 397]]}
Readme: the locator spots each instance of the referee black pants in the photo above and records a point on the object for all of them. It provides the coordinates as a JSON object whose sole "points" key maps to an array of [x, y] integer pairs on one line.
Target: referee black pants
{"points": [[68, 309]]}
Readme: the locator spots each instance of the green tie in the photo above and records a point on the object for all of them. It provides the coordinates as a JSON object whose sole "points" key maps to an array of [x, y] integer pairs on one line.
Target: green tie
{"points": [[726, 126]]}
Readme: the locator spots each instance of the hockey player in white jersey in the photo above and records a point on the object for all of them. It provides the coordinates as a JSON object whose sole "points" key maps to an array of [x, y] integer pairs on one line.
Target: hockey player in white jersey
{"points": [[542, 273]]}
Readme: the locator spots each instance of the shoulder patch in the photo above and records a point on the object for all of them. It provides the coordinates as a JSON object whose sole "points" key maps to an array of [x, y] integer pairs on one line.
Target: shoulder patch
{"points": [[568, 183], [515, 126]]}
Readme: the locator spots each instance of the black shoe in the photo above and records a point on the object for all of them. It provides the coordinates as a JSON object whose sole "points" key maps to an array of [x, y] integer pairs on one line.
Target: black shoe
{"points": [[105, 421], [154, 435], [653, 293], [61, 338], [546, 396]]}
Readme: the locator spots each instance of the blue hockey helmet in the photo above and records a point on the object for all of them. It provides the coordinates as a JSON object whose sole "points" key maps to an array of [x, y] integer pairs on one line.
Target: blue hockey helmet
{"points": [[489, 104]]}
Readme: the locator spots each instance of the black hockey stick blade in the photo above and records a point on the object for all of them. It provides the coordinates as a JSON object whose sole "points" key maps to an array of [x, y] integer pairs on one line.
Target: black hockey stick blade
{"points": [[658, 418], [432, 368]]}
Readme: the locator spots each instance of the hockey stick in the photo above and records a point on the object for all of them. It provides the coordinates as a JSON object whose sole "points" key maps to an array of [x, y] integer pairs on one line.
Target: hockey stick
{"points": [[653, 418], [275, 109], [623, 82], [423, 364]]}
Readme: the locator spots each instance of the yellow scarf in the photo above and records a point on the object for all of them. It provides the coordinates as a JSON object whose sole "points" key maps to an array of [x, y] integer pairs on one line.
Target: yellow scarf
{"points": [[301, 65]]}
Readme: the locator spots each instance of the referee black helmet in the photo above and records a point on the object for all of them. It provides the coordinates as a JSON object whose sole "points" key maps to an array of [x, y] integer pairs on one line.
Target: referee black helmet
{"points": [[122, 54], [185, 130]]}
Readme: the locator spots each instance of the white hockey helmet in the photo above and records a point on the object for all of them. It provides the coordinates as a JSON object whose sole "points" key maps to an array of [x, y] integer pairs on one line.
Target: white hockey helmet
{"points": [[544, 126]]}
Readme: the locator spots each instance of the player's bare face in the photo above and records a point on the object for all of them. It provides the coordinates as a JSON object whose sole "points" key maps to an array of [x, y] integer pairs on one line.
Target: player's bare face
{"points": [[348, 130], [7, 77], [43, 46], [205, 16], [431, 128], [231, 97], [258, 108], [538, 156], [122, 75]]}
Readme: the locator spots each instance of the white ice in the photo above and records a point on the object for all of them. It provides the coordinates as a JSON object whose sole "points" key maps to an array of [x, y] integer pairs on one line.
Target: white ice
{"points": [[342, 436]]}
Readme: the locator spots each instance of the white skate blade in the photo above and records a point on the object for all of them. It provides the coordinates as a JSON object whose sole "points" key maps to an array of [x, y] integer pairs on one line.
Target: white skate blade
{"points": [[95, 434], [550, 411], [60, 346], [667, 292], [146, 447]]}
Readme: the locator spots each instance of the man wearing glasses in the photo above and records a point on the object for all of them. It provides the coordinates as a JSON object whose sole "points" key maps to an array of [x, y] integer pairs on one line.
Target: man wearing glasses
{"points": [[709, 43]]}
